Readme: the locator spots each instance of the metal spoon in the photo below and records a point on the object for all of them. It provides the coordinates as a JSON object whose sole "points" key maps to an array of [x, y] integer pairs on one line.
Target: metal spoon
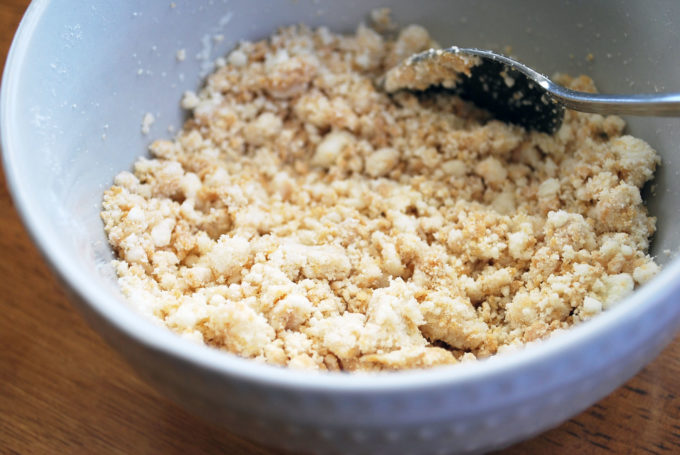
{"points": [[514, 92]]}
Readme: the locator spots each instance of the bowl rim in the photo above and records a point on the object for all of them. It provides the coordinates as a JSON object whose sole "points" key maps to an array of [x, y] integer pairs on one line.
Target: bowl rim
{"points": [[137, 328]]}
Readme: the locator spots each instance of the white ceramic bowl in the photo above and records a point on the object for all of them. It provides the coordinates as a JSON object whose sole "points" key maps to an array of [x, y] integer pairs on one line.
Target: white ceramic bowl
{"points": [[81, 75]]}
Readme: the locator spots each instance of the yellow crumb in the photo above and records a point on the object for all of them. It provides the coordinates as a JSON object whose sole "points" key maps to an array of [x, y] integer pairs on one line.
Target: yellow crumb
{"points": [[303, 217]]}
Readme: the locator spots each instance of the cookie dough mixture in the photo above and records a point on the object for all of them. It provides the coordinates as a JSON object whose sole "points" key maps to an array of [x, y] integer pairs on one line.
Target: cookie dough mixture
{"points": [[304, 217]]}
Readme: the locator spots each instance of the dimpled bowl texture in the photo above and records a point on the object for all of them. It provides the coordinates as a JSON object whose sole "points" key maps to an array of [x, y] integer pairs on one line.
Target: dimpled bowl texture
{"points": [[80, 77]]}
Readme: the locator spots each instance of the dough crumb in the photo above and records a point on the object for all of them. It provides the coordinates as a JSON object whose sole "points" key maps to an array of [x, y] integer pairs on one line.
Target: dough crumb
{"points": [[147, 121], [304, 217]]}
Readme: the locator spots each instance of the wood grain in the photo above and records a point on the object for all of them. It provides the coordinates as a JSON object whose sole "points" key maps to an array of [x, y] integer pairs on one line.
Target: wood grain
{"points": [[62, 390]]}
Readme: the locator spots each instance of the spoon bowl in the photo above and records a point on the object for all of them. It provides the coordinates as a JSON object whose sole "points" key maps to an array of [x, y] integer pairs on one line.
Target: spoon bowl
{"points": [[513, 92]]}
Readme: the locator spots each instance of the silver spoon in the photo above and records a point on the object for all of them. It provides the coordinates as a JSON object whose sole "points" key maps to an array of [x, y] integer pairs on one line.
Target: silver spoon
{"points": [[514, 92]]}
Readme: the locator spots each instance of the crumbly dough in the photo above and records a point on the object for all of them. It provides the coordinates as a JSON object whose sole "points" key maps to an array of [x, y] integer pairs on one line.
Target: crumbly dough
{"points": [[432, 67], [304, 217]]}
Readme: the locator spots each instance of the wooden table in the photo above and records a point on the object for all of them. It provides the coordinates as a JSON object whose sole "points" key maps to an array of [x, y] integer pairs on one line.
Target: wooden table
{"points": [[62, 390]]}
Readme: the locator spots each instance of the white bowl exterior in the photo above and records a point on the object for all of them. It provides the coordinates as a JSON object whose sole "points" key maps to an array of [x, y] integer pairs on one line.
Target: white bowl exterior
{"points": [[80, 78]]}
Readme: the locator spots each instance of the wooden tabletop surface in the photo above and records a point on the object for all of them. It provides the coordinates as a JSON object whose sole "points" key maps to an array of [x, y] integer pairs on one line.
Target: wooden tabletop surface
{"points": [[62, 390]]}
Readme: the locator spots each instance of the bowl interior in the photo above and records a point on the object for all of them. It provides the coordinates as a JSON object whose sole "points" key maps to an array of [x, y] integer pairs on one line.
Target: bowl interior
{"points": [[81, 77]]}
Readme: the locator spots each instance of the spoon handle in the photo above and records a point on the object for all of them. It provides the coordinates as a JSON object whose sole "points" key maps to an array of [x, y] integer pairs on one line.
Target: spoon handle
{"points": [[652, 104]]}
